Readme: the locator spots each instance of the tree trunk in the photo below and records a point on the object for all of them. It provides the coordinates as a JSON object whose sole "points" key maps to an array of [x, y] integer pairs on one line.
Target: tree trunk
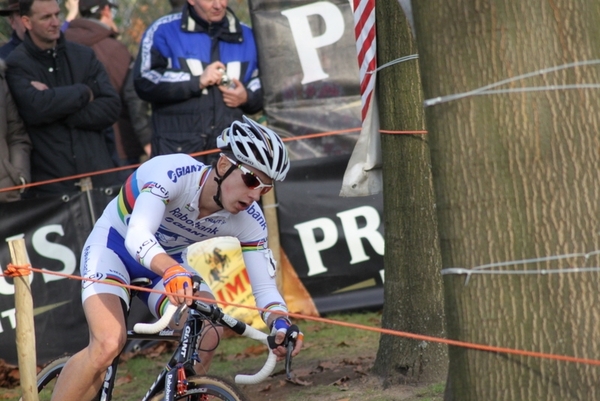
{"points": [[516, 177], [413, 292]]}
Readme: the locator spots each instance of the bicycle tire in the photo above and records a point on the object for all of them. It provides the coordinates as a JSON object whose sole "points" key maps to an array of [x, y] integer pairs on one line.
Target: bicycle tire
{"points": [[212, 387], [47, 377]]}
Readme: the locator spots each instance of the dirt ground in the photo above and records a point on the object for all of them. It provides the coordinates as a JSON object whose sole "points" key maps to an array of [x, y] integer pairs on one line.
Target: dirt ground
{"points": [[342, 380]]}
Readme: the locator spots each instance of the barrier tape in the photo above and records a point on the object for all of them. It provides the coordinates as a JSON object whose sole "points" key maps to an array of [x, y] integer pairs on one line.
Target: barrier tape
{"points": [[196, 154], [463, 344], [17, 270]]}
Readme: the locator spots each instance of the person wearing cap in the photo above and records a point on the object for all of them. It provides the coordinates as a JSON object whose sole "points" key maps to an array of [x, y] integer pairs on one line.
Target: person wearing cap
{"points": [[199, 70], [18, 29], [66, 100], [96, 29], [167, 204]]}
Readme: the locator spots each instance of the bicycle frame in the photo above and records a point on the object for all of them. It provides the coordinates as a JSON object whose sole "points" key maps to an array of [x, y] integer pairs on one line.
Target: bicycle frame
{"points": [[184, 355], [173, 378]]}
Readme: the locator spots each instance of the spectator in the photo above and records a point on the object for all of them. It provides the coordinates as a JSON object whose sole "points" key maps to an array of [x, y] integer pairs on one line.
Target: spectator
{"points": [[180, 67], [16, 146], [18, 29], [96, 29], [65, 99]]}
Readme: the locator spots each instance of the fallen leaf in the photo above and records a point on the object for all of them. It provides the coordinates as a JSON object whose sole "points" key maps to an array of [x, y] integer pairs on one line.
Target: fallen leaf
{"points": [[327, 365], [299, 382], [266, 388], [255, 350], [124, 380], [343, 344], [340, 381]]}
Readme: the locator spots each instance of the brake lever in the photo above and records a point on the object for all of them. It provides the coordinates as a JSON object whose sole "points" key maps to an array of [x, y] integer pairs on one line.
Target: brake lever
{"points": [[290, 343], [178, 313]]}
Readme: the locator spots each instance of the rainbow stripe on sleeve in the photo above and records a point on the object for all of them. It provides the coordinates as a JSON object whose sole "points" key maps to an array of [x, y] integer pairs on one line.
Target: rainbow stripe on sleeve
{"points": [[254, 246], [127, 196]]}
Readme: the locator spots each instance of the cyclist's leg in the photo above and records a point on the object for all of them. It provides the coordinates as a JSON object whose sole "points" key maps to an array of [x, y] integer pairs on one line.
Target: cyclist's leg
{"points": [[82, 376], [210, 339]]}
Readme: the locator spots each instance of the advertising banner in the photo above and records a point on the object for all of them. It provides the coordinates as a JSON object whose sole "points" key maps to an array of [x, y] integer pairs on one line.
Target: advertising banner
{"points": [[335, 244], [54, 232], [220, 263], [309, 72]]}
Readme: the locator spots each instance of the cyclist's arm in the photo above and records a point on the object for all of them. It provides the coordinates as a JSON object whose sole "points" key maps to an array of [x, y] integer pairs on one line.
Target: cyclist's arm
{"points": [[140, 240], [260, 266]]}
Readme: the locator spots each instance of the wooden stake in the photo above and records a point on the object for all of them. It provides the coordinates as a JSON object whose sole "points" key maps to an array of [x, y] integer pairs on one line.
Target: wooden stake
{"points": [[24, 328]]}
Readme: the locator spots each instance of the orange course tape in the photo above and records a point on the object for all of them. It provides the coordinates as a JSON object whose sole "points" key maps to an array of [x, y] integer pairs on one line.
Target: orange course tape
{"points": [[17, 271]]}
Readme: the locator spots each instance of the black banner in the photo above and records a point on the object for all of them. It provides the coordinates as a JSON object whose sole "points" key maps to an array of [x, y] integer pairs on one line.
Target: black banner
{"points": [[335, 244], [54, 231], [309, 71]]}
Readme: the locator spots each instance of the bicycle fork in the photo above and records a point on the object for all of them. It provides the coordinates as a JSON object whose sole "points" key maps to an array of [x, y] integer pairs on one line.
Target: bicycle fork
{"points": [[109, 381], [176, 379]]}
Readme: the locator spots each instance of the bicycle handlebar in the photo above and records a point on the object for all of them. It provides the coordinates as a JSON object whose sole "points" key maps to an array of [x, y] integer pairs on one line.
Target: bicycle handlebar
{"points": [[217, 315], [160, 324]]}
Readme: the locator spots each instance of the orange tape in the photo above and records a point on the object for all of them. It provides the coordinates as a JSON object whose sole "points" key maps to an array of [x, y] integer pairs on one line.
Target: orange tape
{"points": [[17, 271]]}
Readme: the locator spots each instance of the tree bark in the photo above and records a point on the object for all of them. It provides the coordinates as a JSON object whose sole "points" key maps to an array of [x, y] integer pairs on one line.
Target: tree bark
{"points": [[516, 177], [413, 292]]}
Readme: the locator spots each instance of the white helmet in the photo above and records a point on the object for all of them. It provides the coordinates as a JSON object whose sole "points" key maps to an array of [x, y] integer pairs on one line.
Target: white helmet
{"points": [[256, 146]]}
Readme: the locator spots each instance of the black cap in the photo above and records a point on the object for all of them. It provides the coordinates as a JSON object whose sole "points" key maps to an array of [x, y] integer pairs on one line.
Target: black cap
{"points": [[8, 7]]}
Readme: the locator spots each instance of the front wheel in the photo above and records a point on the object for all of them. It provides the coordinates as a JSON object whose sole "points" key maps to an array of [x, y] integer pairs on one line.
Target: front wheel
{"points": [[201, 388]]}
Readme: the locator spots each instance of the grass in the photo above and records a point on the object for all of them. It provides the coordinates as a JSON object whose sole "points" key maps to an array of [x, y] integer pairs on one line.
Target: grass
{"points": [[325, 345]]}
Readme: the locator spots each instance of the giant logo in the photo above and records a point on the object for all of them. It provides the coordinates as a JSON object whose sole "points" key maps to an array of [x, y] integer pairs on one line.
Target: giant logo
{"points": [[181, 171]]}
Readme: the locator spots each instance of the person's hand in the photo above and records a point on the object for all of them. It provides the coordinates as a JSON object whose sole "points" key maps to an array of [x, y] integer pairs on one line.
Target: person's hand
{"points": [[177, 280], [212, 75], [39, 85], [280, 327], [72, 9], [234, 95]]}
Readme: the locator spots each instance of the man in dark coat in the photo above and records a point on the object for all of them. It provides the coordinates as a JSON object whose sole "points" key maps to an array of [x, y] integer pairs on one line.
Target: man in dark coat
{"points": [[65, 99], [96, 29]]}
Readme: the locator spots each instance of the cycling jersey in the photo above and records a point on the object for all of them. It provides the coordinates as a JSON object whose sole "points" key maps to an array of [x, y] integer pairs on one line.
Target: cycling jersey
{"points": [[157, 212]]}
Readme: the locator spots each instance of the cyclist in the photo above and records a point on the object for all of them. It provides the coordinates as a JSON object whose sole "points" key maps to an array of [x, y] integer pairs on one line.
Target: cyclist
{"points": [[168, 203]]}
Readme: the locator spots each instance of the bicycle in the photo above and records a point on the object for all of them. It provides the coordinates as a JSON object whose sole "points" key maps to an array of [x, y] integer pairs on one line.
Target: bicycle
{"points": [[178, 380]]}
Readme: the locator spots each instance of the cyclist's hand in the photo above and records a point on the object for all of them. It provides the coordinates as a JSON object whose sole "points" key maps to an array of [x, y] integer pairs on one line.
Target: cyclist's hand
{"points": [[177, 280], [280, 328]]}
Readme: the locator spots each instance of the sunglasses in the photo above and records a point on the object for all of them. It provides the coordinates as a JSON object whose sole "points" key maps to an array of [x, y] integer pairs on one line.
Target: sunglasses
{"points": [[250, 179]]}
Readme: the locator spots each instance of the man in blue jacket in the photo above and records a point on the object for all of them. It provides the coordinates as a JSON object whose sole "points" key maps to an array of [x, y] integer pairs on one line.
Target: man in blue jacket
{"points": [[199, 70], [65, 99]]}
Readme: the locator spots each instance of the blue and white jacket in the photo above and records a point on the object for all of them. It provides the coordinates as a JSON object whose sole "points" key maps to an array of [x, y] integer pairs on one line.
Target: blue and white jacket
{"points": [[174, 51]]}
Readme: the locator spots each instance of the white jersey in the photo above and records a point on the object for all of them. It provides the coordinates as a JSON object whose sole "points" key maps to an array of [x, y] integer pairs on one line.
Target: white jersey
{"points": [[157, 212]]}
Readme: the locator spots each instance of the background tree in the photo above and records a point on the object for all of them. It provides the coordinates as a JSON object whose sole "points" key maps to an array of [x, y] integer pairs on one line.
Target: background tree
{"points": [[413, 295], [516, 177]]}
